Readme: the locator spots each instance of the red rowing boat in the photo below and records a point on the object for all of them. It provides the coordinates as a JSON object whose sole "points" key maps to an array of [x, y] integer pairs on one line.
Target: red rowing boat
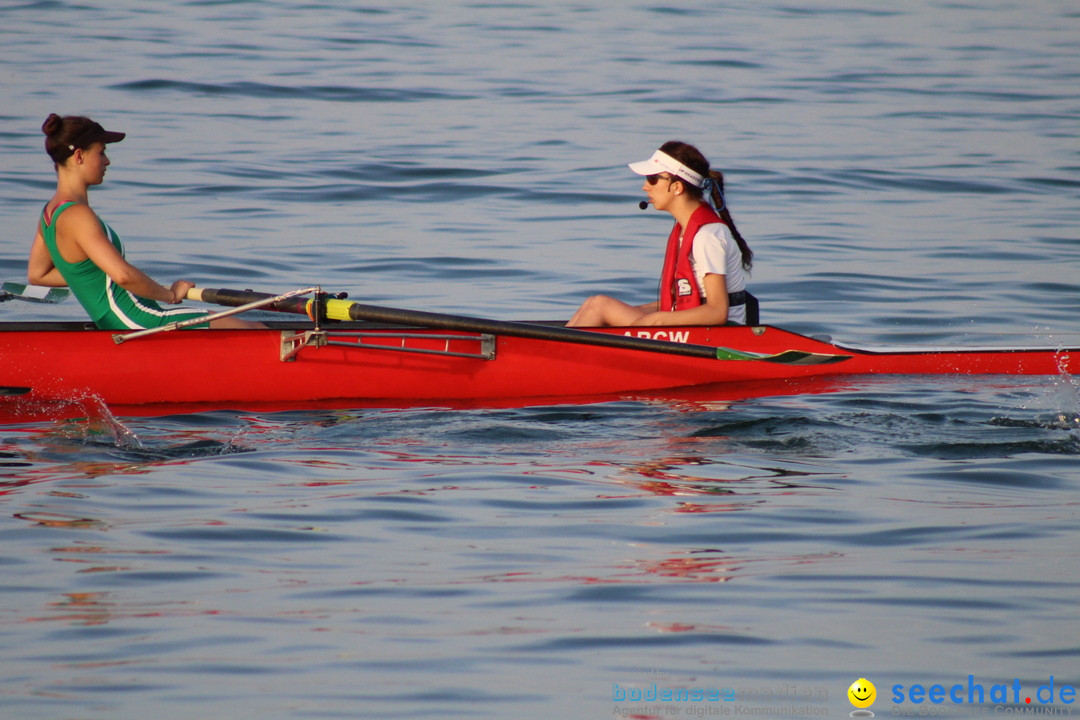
{"points": [[391, 357]]}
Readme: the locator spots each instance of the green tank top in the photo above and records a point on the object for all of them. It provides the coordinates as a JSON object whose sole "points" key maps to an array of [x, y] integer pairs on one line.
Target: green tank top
{"points": [[110, 306]]}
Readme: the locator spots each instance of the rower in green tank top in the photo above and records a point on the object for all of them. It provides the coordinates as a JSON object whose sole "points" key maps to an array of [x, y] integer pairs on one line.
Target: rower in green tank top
{"points": [[109, 305], [75, 248]]}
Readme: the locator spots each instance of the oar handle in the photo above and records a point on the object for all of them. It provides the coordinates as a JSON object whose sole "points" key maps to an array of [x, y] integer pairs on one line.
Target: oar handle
{"points": [[288, 303], [238, 308]]}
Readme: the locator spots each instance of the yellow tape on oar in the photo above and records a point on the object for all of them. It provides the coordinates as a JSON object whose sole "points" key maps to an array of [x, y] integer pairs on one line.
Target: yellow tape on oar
{"points": [[338, 309], [332, 310]]}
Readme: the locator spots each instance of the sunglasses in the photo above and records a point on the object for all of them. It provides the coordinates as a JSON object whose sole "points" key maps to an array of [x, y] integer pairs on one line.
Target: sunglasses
{"points": [[652, 179]]}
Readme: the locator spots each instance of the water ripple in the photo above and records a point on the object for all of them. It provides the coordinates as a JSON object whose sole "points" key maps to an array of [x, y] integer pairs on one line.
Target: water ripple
{"points": [[247, 89]]}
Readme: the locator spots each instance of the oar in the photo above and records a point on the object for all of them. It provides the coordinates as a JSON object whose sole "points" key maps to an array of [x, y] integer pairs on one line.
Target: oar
{"points": [[337, 308], [32, 293], [180, 324]]}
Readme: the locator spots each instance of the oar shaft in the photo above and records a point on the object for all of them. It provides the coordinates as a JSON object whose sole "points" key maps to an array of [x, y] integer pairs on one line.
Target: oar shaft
{"points": [[348, 310], [336, 309], [331, 308]]}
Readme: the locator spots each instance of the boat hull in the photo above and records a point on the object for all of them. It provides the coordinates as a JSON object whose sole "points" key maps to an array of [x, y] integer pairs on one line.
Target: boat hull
{"points": [[51, 363]]}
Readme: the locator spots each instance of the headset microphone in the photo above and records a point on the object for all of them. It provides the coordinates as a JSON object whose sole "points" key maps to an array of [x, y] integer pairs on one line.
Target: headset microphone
{"points": [[643, 204]]}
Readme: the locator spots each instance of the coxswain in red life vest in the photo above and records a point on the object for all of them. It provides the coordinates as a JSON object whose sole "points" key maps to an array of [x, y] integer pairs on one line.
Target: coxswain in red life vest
{"points": [[678, 284], [680, 181]]}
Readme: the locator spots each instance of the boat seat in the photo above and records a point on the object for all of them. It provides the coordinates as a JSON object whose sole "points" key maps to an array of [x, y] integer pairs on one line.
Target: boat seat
{"points": [[753, 308]]}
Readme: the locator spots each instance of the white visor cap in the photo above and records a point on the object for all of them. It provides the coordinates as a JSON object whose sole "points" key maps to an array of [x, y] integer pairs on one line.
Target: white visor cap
{"points": [[662, 162]]}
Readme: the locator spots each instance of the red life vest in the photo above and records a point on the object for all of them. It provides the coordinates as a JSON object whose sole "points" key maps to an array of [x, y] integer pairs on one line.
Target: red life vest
{"points": [[678, 286]]}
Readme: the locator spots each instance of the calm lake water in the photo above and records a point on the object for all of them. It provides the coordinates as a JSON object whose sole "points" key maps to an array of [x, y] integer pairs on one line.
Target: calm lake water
{"points": [[907, 173]]}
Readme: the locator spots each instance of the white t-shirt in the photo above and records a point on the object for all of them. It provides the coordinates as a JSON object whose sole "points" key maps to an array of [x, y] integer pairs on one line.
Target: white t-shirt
{"points": [[716, 252]]}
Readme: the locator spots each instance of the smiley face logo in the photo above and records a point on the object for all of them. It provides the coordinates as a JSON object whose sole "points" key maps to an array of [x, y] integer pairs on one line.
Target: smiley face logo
{"points": [[862, 693]]}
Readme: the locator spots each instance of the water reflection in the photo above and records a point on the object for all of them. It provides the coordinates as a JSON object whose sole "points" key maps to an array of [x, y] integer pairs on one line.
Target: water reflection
{"points": [[79, 608], [59, 520], [666, 476]]}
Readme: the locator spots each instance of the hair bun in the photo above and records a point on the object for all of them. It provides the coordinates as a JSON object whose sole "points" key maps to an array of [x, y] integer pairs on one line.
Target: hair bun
{"points": [[52, 124]]}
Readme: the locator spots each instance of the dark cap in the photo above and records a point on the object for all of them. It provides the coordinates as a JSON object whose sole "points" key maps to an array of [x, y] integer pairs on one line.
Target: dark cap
{"points": [[92, 134]]}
